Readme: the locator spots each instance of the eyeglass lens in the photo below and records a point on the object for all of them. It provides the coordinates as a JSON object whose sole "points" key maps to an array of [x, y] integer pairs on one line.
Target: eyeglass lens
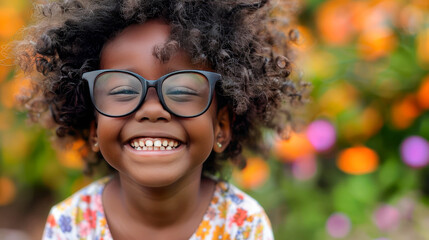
{"points": [[184, 94]]}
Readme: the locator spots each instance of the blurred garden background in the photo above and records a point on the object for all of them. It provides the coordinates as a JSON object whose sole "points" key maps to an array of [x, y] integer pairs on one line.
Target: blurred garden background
{"points": [[356, 170]]}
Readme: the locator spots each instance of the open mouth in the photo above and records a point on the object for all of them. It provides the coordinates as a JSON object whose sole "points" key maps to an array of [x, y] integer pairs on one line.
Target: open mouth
{"points": [[154, 144]]}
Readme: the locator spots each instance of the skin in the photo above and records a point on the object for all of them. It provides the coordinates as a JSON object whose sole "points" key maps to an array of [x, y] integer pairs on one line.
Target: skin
{"points": [[158, 195]]}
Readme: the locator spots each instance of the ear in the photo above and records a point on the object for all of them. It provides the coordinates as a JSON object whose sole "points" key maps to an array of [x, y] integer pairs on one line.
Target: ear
{"points": [[93, 138], [222, 130]]}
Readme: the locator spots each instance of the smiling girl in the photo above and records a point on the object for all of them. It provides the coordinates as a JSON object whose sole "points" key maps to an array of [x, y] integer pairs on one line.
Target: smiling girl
{"points": [[165, 92]]}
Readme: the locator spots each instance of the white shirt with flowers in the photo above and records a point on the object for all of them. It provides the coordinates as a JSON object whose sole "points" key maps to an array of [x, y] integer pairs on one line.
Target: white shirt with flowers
{"points": [[231, 214]]}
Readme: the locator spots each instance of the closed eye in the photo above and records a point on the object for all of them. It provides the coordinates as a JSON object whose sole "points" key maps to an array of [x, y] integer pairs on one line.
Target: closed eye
{"points": [[182, 91], [123, 91]]}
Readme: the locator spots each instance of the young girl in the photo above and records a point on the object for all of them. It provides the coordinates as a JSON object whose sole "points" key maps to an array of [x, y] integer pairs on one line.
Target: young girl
{"points": [[164, 92]]}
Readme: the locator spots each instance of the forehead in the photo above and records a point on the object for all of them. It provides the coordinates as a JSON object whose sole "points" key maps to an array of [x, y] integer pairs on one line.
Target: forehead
{"points": [[134, 49], [136, 42]]}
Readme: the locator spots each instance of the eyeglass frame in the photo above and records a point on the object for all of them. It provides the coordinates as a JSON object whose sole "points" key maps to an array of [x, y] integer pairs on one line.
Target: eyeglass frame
{"points": [[91, 76]]}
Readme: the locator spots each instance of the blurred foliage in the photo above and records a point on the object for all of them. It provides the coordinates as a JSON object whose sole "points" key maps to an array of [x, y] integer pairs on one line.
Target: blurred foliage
{"points": [[357, 171]]}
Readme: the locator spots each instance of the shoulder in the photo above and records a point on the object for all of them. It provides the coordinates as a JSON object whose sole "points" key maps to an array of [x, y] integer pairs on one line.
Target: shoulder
{"points": [[78, 215], [243, 217], [237, 199], [86, 197]]}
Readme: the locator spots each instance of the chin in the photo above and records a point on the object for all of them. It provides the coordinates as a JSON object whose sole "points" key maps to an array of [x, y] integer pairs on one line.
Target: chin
{"points": [[156, 179]]}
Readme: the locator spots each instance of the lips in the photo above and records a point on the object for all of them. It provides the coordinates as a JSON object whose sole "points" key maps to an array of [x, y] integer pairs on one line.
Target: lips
{"points": [[154, 144]]}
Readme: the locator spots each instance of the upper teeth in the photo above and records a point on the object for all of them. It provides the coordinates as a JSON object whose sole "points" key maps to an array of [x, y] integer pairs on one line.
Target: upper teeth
{"points": [[154, 144]]}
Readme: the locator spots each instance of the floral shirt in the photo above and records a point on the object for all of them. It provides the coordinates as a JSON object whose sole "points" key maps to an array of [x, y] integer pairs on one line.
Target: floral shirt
{"points": [[231, 215]]}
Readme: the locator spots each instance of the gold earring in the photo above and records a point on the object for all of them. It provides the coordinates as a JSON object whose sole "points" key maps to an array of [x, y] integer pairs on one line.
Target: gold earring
{"points": [[96, 144], [219, 144]]}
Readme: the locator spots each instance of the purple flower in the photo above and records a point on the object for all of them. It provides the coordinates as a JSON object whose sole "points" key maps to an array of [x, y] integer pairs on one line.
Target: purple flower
{"points": [[236, 199], [65, 223], [415, 151], [49, 232], [338, 225]]}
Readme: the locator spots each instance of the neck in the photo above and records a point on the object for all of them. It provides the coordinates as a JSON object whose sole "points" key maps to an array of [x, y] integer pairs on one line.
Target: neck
{"points": [[164, 206]]}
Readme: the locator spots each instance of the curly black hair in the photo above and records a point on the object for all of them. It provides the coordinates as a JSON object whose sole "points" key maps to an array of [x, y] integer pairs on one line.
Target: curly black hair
{"points": [[236, 38]]}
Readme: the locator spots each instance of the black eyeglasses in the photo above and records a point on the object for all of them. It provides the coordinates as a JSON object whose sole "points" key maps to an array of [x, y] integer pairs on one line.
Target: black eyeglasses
{"points": [[118, 93]]}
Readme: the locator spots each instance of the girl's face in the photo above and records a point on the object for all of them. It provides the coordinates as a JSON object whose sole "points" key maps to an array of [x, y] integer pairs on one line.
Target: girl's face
{"points": [[195, 138]]}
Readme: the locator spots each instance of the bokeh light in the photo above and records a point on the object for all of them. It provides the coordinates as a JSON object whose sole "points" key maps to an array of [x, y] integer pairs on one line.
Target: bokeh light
{"points": [[415, 151], [338, 98], [386, 217], [338, 225], [335, 21], [376, 43], [10, 22], [254, 175], [72, 156], [404, 112], [358, 160], [305, 167], [321, 134], [296, 146], [7, 191]]}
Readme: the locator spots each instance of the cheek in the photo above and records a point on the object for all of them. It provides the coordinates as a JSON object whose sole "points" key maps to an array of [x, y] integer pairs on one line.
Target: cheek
{"points": [[108, 131], [201, 141], [201, 132]]}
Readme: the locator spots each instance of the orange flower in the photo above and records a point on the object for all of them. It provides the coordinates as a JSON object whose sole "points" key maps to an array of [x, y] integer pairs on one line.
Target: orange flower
{"points": [[219, 233], [246, 232], [357, 160], [404, 112], [259, 231], [423, 93], [222, 209], [102, 222], [203, 229], [51, 220], [289, 150], [254, 175]]}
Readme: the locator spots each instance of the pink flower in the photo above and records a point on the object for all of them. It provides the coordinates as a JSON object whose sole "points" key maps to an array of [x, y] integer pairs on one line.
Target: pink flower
{"points": [[84, 229], [98, 204], [91, 217]]}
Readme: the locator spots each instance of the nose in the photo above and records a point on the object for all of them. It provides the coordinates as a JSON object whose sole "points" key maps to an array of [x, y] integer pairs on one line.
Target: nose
{"points": [[151, 109]]}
